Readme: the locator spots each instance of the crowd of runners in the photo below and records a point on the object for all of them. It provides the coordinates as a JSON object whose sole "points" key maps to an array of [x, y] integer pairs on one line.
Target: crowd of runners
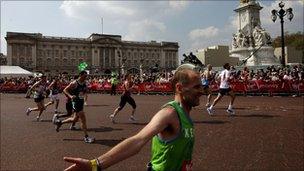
{"points": [[76, 97]]}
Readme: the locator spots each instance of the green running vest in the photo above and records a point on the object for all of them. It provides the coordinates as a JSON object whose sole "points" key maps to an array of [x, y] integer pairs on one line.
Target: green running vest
{"points": [[176, 154]]}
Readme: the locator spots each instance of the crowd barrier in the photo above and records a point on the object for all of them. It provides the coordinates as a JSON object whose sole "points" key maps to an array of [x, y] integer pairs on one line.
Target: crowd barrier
{"points": [[258, 87], [143, 88]]}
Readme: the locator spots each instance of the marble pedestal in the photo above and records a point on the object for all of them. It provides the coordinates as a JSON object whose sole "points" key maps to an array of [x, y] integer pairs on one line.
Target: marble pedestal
{"points": [[262, 57]]}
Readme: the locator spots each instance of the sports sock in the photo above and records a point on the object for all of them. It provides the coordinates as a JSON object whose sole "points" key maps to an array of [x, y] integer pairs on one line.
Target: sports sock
{"points": [[230, 107]]}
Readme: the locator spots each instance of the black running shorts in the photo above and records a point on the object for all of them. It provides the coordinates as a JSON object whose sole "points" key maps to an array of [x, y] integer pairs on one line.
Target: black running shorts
{"points": [[225, 91], [124, 99], [78, 105]]}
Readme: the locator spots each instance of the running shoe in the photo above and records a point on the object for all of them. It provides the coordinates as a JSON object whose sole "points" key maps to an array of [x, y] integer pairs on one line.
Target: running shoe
{"points": [[210, 111], [58, 125], [230, 111], [89, 140], [112, 118], [28, 111], [55, 117], [37, 118], [132, 119]]}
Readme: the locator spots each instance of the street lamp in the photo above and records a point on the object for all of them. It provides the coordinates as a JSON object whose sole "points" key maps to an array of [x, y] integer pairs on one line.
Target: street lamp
{"points": [[281, 13]]}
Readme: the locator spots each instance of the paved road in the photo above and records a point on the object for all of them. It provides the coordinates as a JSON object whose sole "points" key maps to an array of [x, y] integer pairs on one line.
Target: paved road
{"points": [[266, 134]]}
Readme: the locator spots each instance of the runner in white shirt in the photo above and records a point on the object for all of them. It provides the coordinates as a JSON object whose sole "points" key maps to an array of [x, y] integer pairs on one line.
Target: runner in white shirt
{"points": [[224, 89]]}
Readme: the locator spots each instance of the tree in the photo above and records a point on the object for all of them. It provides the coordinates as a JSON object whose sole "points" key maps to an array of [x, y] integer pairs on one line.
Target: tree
{"points": [[294, 39]]}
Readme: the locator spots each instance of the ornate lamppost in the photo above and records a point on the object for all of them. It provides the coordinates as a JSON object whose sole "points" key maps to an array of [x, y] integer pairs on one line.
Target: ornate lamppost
{"points": [[281, 13]]}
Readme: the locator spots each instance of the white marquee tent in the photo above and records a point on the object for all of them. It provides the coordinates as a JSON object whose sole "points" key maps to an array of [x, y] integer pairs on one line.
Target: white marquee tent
{"points": [[14, 71]]}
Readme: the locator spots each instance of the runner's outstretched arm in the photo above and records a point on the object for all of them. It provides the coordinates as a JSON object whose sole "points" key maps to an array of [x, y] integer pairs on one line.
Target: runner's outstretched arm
{"points": [[128, 147]]}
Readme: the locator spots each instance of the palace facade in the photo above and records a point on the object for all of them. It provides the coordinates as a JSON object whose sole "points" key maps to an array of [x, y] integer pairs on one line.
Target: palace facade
{"points": [[103, 53]]}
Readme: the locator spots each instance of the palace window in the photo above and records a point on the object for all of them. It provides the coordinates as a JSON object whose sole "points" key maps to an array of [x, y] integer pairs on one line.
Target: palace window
{"points": [[49, 61]]}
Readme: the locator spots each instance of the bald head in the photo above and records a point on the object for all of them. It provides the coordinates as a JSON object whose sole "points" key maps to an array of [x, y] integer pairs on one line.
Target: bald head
{"points": [[184, 75]]}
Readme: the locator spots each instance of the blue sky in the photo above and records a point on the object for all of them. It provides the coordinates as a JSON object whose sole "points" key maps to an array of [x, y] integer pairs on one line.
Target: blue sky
{"points": [[193, 24]]}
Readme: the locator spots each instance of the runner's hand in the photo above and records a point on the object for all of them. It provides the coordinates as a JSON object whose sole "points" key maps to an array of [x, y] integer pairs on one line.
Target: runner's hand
{"points": [[79, 164]]}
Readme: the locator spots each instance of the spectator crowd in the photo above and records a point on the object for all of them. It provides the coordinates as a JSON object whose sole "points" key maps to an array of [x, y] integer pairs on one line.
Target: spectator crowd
{"points": [[275, 75]]}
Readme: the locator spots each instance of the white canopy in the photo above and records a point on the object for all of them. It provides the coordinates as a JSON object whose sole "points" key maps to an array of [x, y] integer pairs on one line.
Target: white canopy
{"points": [[13, 71]]}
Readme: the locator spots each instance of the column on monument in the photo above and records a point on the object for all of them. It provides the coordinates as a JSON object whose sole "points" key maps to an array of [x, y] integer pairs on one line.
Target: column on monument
{"points": [[9, 54], [162, 58], [17, 55], [99, 58], [109, 59], [171, 57], [240, 23], [116, 59], [92, 58], [106, 57], [34, 56], [113, 58], [95, 57], [103, 52], [176, 59]]}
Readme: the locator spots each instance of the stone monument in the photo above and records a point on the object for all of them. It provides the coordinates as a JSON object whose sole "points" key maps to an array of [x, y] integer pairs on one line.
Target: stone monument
{"points": [[251, 43]]}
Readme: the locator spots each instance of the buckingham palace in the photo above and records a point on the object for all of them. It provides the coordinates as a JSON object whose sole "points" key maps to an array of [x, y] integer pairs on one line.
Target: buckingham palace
{"points": [[103, 53]]}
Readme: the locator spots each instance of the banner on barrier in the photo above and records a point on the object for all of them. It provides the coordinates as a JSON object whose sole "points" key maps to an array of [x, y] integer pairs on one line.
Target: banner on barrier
{"points": [[259, 86]]}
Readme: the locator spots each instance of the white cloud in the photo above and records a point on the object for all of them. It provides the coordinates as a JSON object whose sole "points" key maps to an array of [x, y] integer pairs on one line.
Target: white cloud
{"points": [[143, 20], [121, 10], [203, 33], [178, 5], [145, 30], [90, 9], [202, 38]]}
